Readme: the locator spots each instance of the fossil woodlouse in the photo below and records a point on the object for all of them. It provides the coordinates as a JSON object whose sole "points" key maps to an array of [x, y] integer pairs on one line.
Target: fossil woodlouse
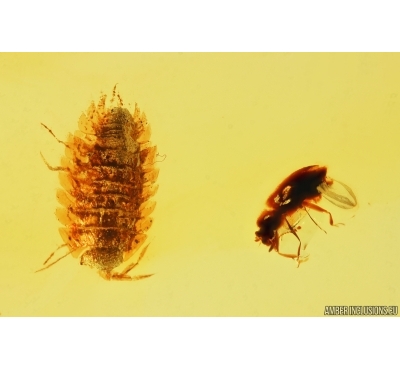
{"points": [[108, 176]]}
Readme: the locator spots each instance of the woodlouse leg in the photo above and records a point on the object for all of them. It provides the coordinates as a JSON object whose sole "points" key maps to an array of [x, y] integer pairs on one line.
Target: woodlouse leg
{"points": [[61, 142], [51, 167], [51, 255], [51, 132], [120, 277], [164, 156], [323, 210], [124, 274]]}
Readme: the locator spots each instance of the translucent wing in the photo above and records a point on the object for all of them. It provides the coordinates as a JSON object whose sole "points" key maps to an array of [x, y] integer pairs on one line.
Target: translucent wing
{"points": [[339, 194]]}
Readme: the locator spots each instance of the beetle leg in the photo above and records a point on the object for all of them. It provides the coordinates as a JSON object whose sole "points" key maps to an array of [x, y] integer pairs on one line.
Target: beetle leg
{"points": [[320, 209], [292, 256], [295, 234], [305, 208], [295, 257], [302, 259]]}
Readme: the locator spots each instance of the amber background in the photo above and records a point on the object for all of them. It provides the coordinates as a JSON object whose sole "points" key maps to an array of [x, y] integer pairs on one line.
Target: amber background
{"points": [[232, 127]]}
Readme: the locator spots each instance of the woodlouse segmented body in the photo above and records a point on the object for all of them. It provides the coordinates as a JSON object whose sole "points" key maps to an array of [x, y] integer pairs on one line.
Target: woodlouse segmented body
{"points": [[108, 176]]}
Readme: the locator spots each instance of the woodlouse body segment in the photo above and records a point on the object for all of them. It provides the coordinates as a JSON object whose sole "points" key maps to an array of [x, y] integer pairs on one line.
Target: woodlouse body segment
{"points": [[108, 177]]}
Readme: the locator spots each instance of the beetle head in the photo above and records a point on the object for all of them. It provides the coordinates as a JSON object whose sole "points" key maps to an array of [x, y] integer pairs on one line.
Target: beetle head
{"points": [[268, 222]]}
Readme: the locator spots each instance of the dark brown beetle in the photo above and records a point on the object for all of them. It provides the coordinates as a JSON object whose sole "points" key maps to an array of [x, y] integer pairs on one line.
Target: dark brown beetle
{"points": [[301, 190]]}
